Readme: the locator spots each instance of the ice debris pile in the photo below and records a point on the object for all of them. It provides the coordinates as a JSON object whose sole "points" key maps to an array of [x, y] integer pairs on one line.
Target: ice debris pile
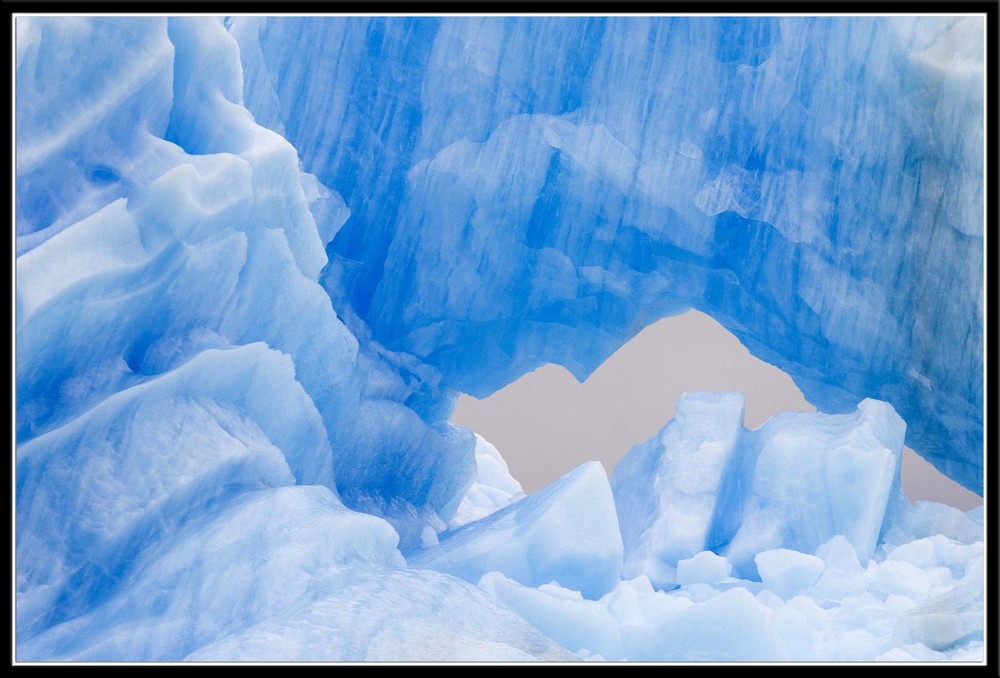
{"points": [[258, 258]]}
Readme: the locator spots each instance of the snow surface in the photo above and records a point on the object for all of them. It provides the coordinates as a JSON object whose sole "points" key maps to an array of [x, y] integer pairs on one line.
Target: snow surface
{"points": [[258, 258]]}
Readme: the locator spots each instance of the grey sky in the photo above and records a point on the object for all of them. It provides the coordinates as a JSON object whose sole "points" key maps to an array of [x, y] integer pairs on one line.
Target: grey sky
{"points": [[547, 423]]}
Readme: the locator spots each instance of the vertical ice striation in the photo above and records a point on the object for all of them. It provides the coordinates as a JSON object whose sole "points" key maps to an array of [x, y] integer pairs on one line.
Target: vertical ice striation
{"points": [[548, 186]]}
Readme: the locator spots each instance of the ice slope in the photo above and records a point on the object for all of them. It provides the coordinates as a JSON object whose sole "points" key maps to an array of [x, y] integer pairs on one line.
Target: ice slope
{"points": [[240, 330], [566, 533], [175, 356], [288, 574], [548, 186]]}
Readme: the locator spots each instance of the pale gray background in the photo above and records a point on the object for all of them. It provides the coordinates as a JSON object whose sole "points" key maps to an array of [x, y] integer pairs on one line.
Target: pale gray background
{"points": [[546, 423]]}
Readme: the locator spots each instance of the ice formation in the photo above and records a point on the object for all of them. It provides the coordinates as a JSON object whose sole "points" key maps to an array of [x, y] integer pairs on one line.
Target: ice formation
{"points": [[258, 258]]}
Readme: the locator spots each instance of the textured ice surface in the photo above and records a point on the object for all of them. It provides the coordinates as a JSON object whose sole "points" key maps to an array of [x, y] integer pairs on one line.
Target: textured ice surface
{"points": [[814, 477], [705, 482], [213, 246], [492, 489], [258, 258], [814, 184], [666, 489], [825, 606]]}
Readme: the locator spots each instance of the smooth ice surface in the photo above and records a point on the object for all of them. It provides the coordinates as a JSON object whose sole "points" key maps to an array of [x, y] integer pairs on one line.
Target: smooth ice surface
{"points": [[402, 615], [259, 257], [567, 533], [703, 568], [584, 626], [788, 572]]}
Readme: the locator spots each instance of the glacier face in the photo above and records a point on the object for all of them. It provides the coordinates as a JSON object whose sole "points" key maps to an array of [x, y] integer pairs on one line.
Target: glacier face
{"points": [[257, 259]]}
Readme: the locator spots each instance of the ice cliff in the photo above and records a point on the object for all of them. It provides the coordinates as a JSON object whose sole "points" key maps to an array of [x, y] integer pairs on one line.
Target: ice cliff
{"points": [[259, 258]]}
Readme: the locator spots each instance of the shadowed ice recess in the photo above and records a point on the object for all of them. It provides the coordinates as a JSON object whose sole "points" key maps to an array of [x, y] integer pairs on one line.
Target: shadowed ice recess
{"points": [[259, 259]]}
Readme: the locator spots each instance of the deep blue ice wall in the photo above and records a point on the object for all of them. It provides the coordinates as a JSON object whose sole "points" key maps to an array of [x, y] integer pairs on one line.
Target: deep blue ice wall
{"points": [[530, 190]]}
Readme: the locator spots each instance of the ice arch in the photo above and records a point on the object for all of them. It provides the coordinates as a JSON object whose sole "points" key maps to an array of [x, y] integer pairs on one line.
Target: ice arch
{"points": [[533, 190]]}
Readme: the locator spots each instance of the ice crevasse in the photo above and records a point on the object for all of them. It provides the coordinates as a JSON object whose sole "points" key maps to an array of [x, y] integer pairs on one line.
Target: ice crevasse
{"points": [[259, 258]]}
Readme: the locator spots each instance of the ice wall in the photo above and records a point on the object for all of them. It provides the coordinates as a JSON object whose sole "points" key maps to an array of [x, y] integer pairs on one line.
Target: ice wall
{"points": [[546, 187]]}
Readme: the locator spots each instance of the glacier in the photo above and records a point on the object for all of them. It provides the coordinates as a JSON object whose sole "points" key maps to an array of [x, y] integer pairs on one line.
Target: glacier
{"points": [[259, 258]]}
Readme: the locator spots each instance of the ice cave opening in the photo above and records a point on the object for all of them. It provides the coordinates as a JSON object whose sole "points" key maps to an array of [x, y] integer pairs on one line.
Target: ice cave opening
{"points": [[547, 422]]}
